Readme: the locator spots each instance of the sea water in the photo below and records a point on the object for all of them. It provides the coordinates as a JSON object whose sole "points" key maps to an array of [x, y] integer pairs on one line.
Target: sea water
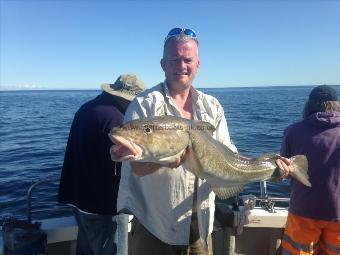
{"points": [[34, 127]]}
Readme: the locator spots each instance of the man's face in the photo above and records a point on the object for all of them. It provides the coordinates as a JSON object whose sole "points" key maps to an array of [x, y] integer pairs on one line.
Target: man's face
{"points": [[180, 63]]}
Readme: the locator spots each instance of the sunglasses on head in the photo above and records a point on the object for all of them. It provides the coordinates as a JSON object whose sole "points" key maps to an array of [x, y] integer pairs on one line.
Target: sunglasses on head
{"points": [[178, 31]]}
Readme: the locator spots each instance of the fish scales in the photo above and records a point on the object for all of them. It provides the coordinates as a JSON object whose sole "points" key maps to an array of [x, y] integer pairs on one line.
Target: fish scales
{"points": [[164, 139]]}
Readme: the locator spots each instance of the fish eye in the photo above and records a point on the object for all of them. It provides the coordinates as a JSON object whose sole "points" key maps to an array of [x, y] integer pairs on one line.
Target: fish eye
{"points": [[147, 130]]}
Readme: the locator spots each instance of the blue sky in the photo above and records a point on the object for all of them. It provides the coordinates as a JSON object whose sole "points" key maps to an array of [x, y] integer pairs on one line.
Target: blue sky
{"points": [[79, 44]]}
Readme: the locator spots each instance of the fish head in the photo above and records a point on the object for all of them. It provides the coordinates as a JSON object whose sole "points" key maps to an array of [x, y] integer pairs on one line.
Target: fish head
{"points": [[157, 140]]}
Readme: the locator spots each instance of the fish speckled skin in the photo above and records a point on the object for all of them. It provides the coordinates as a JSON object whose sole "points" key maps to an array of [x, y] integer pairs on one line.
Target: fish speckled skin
{"points": [[164, 139]]}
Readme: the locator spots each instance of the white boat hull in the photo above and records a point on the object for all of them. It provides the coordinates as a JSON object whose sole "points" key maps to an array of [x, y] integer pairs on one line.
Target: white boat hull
{"points": [[262, 236]]}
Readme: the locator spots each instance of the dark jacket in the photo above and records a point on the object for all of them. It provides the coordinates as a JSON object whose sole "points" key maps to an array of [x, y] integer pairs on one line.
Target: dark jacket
{"points": [[317, 137], [89, 178]]}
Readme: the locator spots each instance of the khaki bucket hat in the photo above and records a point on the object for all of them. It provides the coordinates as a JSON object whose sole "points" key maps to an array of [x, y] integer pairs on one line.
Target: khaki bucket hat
{"points": [[126, 86]]}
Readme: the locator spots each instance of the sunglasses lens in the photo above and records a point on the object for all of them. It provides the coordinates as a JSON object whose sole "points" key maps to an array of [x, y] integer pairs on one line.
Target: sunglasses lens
{"points": [[175, 31], [189, 32]]}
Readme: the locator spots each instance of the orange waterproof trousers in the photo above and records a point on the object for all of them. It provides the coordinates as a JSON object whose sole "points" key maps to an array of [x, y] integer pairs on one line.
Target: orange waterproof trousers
{"points": [[304, 236]]}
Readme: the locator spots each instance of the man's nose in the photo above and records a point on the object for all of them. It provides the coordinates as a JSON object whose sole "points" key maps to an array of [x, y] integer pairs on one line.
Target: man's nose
{"points": [[181, 63]]}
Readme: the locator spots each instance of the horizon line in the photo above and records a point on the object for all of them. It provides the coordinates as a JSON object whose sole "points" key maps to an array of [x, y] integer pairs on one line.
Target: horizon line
{"points": [[11, 89]]}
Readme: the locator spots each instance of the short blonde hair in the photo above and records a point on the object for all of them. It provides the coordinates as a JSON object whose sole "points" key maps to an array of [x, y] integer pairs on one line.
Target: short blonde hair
{"points": [[178, 38]]}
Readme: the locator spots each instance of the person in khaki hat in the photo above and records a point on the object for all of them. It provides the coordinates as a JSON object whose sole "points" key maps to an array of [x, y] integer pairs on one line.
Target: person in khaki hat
{"points": [[127, 86], [90, 179]]}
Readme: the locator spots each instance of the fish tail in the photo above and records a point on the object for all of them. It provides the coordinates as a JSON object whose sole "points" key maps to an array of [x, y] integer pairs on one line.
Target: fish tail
{"points": [[299, 164]]}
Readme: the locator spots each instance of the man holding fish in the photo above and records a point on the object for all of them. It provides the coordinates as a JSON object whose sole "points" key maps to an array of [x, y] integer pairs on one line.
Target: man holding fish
{"points": [[174, 209]]}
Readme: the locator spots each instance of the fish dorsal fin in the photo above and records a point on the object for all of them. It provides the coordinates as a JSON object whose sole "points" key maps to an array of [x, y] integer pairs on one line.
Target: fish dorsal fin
{"points": [[203, 126], [224, 193]]}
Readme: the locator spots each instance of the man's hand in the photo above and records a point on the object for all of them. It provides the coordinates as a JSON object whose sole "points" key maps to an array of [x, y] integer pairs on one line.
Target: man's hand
{"points": [[285, 166], [144, 168]]}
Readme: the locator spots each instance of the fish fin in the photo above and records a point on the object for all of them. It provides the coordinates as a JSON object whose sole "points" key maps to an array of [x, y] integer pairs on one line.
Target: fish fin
{"points": [[300, 168], [224, 193], [191, 163]]}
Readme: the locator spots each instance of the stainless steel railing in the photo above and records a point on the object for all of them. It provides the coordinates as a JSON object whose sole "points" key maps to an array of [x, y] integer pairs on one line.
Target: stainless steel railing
{"points": [[264, 200], [29, 199]]}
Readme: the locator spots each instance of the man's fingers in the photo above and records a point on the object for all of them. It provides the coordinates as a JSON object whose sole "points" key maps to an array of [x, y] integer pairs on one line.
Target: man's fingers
{"points": [[285, 160]]}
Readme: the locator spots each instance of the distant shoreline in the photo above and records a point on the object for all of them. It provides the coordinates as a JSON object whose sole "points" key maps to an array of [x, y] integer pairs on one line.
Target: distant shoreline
{"points": [[213, 88]]}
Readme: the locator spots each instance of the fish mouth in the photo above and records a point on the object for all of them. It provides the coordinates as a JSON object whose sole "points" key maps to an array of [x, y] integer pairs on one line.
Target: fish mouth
{"points": [[124, 149]]}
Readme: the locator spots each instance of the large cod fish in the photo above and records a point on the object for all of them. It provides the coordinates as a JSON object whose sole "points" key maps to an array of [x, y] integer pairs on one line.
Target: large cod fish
{"points": [[164, 139]]}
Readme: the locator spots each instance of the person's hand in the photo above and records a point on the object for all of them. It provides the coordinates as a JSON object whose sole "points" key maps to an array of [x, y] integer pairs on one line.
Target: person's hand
{"points": [[285, 166], [144, 168]]}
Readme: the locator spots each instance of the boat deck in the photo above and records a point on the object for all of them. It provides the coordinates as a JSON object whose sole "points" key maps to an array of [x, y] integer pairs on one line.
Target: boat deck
{"points": [[260, 237]]}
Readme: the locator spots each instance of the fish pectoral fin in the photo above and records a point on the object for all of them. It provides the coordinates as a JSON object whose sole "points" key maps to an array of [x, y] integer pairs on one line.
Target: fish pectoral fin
{"points": [[192, 163], [224, 193]]}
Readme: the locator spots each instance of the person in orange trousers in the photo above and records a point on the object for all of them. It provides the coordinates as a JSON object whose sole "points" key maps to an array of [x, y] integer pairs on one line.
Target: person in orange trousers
{"points": [[313, 224]]}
